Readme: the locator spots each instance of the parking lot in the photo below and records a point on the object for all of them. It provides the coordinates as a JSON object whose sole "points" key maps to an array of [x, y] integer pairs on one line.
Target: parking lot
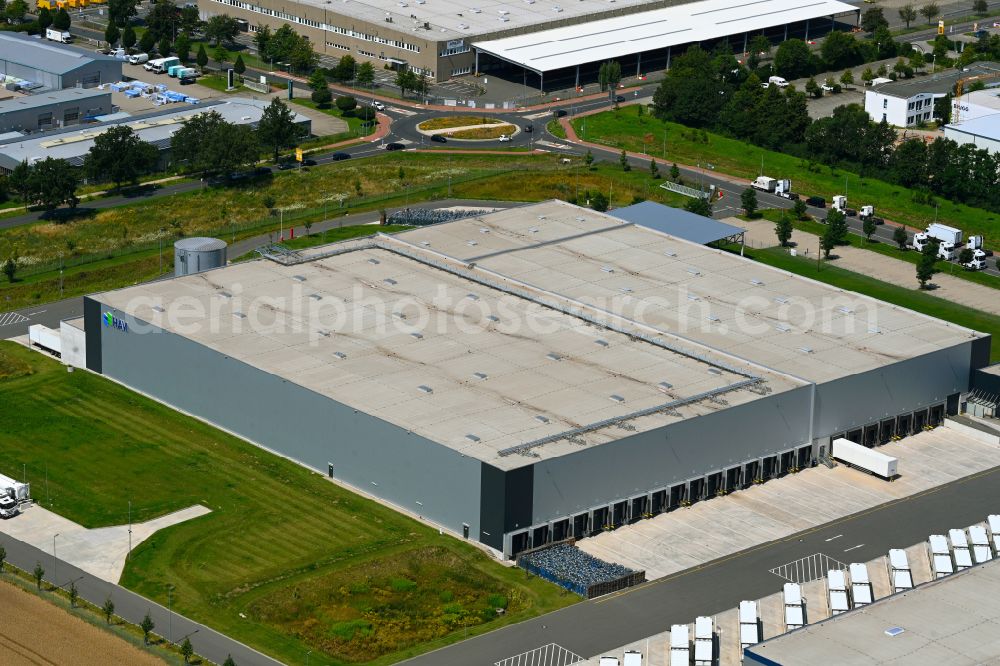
{"points": [[713, 529]]}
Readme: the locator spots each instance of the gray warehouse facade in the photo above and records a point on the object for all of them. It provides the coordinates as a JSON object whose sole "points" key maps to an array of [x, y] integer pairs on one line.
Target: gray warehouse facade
{"points": [[53, 109], [531, 375], [43, 65]]}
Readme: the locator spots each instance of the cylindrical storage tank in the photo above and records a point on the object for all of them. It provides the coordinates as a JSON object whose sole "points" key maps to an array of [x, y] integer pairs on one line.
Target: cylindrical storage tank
{"points": [[194, 255]]}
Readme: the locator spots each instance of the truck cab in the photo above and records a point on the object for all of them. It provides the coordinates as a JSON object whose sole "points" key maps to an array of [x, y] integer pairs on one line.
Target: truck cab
{"points": [[978, 261], [8, 507]]}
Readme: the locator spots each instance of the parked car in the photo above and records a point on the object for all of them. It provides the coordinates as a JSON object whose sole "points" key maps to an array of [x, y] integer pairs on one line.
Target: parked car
{"points": [[378, 106], [308, 162], [285, 166], [504, 138], [529, 128], [438, 138], [827, 87], [336, 157], [619, 98], [816, 202], [395, 146]]}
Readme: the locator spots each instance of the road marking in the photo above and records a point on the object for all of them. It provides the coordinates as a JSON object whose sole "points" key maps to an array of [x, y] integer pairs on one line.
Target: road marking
{"points": [[9, 318], [404, 112], [537, 116], [854, 548], [836, 537], [808, 568], [32, 314]]}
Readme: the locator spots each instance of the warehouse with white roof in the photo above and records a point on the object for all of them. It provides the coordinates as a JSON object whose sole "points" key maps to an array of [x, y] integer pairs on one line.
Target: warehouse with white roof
{"points": [[534, 374]]}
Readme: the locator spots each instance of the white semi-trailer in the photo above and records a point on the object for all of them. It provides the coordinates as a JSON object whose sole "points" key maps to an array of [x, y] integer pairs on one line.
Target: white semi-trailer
{"points": [[45, 338], [749, 624], [864, 458], [836, 584], [680, 646], [704, 641], [861, 585], [12, 495], [794, 611]]}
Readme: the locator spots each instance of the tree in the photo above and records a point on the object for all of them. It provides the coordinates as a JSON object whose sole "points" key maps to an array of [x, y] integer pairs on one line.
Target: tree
{"points": [[868, 75], [202, 57], [623, 160], [608, 76], [221, 55], [812, 88], [793, 59], [10, 270], [120, 11], [689, 93], [827, 241], [365, 75], [147, 42], [163, 19], [675, 173], [190, 21], [239, 66], [346, 104], [873, 19], [322, 97], [54, 183], [899, 237], [982, 8], [277, 128], [229, 661], [317, 80], [128, 37], [588, 159], [164, 46], [760, 46], [221, 28], [783, 229], [44, 18], [302, 57], [868, 228], [699, 206], [187, 650], [120, 156], [20, 182], [925, 265], [836, 223], [112, 34], [108, 609], [966, 255], [748, 201], [38, 574], [15, 11], [262, 39], [840, 50], [800, 209], [206, 143], [365, 112], [183, 47], [74, 594], [147, 625], [61, 20], [654, 169], [346, 66], [405, 80], [907, 14], [929, 11], [847, 78], [598, 201]]}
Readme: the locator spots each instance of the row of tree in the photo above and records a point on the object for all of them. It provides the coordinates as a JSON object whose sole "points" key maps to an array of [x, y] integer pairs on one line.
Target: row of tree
{"points": [[285, 45]]}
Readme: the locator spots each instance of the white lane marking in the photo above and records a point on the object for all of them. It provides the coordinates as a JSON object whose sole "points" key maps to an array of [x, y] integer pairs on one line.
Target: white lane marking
{"points": [[9, 318], [853, 548], [835, 537]]}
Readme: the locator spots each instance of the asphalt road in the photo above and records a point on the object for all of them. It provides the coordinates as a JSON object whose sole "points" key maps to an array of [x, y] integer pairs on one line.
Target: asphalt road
{"points": [[592, 627], [133, 607]]}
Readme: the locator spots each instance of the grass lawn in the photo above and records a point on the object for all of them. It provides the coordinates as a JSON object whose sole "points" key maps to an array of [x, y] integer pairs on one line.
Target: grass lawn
{"points": [[355, 126], [919, 301], [331, 236], [555, 129], [626, 129], [310, 565], [493, 132], [457, 121]]}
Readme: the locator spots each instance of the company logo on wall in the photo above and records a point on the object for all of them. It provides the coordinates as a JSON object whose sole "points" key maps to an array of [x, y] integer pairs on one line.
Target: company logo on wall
{"points": [[112, 321]]}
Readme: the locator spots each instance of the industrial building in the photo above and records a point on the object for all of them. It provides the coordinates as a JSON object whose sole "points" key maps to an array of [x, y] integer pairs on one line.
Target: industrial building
{"points": [[982, 132], [54, 109], [444, 38], [534, 374], [156, 128], [33, 64], [975, 104], [909, 102]]}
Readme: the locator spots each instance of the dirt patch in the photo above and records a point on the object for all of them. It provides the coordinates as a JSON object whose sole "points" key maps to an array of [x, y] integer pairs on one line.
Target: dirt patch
{"points": [[457, 121], [483, 132], [36, 632]]}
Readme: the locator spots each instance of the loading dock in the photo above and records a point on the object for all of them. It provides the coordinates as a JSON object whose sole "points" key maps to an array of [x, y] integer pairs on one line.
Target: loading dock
{"points": [[937, 415], [919, 420], [805, 457], [560, 530], [581, 525], [696, 490], [770, 468], [678, 494], [619, 513], [787, 462], [539, 536], [519, 542], [871, 436], [751, 473], [639, 508], [903, 425], [600, 520], [659, 501], [733, 478], [886, 431], [713, 484]]}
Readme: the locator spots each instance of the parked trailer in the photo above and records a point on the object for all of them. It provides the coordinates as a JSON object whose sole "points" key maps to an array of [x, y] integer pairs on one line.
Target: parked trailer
{"points": [[900, 577], [993, 521], [836, 584], [960, 547], [680, 646], [794, 612], [861, 585], [62, 36], [704, 641], [632, 658], [980, 544], [864, 458], [14, 489], [749, 624], [940, 556], [45, 338], [608, 661]]}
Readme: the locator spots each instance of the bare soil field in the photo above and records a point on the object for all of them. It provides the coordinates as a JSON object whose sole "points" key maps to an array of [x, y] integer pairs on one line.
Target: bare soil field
{"points": [[37, 632]]}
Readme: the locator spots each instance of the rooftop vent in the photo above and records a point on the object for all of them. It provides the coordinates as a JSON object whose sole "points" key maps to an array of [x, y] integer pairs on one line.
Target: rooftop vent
{"points": [[784, 328], [599, 341], [225, 294], [477, 10], [625, 290], [315, 297], [581, 219], [463, 26], [504, 19], [425, 243], [299, 278], [472, 297], [694, 271], [423, 388], [158, 308], [692, 297], [892, 632], [541, 217], [472, 243], [390, 281], [239, 315], [340, 355], [616, 398], [472, 438], [664, 386], [503, 12], [493, 317], [781, 299], [670, 253], [845, 310], [542, 419], [806, 350], [532, 230], [417, 336], [757, 283], [552, 356], [874, 329], [324, 333], [607, 269], [480, 375], [712, 318], [374, 262], [715, 371], [557, 9], [484, 230]]}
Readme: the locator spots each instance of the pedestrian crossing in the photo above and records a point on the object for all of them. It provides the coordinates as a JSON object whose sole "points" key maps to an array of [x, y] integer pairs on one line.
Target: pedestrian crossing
{"points": [[402, 112], [9, 318]]}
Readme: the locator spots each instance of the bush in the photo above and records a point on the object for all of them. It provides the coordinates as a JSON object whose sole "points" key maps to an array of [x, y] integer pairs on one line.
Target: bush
{"points": [[346, 103]]}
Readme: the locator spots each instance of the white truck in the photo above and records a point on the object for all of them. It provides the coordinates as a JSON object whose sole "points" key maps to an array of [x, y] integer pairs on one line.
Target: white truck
{"points": [[993, 523], [861, 584], [780, 187], [960, 547], [948, 238], [138, 58], [900, 576], [12, 495], [704, 641], [978, 261], [608, 661], [836, 584], [776, 81], [61, 36], [863, 458], [45, 338], [680, 645], [980, 544], [794, 611], [749, 624], [940, 556], [632, 658]]}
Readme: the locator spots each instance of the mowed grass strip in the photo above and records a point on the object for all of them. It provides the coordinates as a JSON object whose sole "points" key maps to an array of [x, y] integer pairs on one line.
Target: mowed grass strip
{"points": [[90, 446], [483, 132], [446, 122]]}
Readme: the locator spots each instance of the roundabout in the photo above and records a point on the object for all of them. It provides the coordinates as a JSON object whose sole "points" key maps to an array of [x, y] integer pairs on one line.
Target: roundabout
{"points": [[467, 128]]}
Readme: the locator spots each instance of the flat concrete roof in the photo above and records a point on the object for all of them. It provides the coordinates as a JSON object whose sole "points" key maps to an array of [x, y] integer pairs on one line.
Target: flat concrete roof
{"points": [[985, 127], [67, 95], [989, 97], [493, 333], [677, 222], [953, 620], [619, 36], [458, 19], [940, 83], [45, 56]]}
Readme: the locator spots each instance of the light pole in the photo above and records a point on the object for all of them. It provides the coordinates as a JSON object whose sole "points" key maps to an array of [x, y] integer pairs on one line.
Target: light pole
{"points": [[129, 530], [55, 561], [307, 657], [170, 614]]}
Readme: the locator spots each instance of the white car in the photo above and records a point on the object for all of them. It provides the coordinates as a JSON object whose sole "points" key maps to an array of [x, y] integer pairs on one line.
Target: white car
{"points": [[827, 87], [378, 106], [504, 137]]}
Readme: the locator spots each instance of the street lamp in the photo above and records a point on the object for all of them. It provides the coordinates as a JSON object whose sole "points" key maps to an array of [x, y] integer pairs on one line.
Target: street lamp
{"points": [[170, 614], [55, 561], [307, 657]]}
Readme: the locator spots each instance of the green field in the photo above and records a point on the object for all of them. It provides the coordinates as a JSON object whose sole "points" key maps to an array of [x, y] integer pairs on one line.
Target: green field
{"points": [[645, 134], [919, 301], [310, 565]]}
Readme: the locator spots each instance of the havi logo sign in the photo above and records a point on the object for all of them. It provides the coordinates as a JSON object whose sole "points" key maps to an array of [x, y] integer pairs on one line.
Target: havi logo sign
{"points": [[112, 321]]}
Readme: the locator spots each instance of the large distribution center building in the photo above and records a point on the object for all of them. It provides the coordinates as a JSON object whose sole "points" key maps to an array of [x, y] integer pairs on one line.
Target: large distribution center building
{"points": [[32, 63], [532, 374], [444, 38]]}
